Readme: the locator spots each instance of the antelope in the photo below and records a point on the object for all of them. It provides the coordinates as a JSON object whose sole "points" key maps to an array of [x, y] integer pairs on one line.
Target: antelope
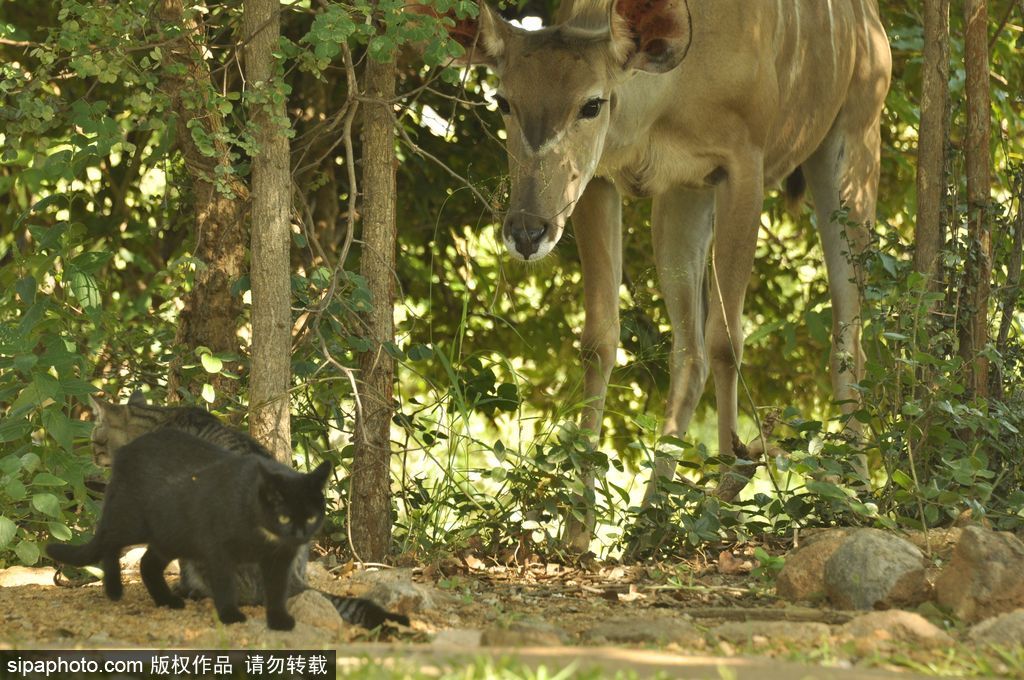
{"points": [[700, 105]]}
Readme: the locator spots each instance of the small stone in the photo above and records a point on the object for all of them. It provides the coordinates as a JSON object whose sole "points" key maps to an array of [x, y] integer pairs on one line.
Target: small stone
{"points": [[312, 608], [802, 578], [525, 634], [896, 625], [875, 570], [12, 577], [741, 632], [1006, 630], [654, 630], [984, 576]]}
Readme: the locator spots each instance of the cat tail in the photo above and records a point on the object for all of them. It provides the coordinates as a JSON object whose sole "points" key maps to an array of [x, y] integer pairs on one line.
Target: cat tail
{"points": [[362, 612], [75, 555]]}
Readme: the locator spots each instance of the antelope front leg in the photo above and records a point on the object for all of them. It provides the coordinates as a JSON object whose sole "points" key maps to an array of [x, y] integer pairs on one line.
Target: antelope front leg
{"points": [[738, 204], [598, 224], [681, 221]]}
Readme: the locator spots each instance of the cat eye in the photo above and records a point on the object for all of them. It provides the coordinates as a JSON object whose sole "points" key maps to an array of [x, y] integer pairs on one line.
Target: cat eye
{"points": [[311, 520], [283, 519], [502, 104], [592, 108]]}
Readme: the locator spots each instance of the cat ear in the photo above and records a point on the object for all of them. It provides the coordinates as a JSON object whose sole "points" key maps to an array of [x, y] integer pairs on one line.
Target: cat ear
{"points": [[137, 399], [100, 407], [321, 474]]}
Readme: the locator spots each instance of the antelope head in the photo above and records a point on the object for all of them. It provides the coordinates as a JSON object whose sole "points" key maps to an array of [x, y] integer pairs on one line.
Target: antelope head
{"points": [[557, 96]]}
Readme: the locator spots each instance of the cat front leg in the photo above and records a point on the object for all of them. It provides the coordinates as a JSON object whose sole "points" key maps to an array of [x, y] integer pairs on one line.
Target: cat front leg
{"points": [[152, 569], [221, 579], [276, 570]]}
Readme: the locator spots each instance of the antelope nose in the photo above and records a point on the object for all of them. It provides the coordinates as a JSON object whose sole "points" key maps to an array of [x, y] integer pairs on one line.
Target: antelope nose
{"points": [[527, 232]]}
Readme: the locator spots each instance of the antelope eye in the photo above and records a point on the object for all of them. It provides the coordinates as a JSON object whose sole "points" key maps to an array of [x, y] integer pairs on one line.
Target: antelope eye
{"points": [[592, 108], [502, 104], [284, 519]]}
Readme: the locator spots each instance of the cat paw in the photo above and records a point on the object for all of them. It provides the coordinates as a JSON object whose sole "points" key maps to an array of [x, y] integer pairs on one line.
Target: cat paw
{"points": [[173, 602], [280, 621], [114, 591], [231, 616]]}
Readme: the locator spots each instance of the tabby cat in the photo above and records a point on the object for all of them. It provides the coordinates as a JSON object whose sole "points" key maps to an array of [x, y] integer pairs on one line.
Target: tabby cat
{"points": [[187, 498], [117, 425]]}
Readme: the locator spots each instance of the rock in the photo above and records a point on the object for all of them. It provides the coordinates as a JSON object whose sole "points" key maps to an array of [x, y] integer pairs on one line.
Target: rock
{"points": [[984, 577], [12, 577], [875, 570], [1006, 630], [803, 575], [744, 632], [394, 590], [896, 626], [462, 638], [312, 608], [529, 633], [649, 630]]}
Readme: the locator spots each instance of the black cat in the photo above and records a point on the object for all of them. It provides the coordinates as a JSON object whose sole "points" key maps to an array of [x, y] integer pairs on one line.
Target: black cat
{"points": [[119, 424], [187, 498]]}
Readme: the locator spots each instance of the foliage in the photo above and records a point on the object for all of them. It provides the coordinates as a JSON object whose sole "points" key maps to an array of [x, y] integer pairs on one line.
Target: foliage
{"points": [[97, 250]]}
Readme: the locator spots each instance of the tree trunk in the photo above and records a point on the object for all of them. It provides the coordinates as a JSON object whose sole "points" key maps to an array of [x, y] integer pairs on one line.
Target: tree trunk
{"points": [[974, 313], [210, 315], [270, 373], [929, 232], [371, 470]]}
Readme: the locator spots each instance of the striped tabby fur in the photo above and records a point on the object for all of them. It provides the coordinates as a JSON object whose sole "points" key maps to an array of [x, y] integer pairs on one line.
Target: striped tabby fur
{"points": [[118, 424]]}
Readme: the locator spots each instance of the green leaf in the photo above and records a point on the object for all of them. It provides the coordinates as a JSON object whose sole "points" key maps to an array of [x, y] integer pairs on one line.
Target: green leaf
{"points": [[47, 479], [29, 462], [86, 289], [826, 489], [25, 362], [208, 393], [47, 504], [7, 531], [26, 289], [59, 531], [211, 363], [15, 490], [901, 479], [10, 465], [60, 427], [27, 552]]}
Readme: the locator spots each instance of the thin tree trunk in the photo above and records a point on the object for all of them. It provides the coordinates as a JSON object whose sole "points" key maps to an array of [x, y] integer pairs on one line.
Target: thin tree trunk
{"points": [[210, 315], [370, 521], [929, 232], [974, 331], [270, 374]]}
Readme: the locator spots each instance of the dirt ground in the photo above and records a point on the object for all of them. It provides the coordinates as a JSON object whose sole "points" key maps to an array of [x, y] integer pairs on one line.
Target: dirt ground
{"points": [[471, 607]]}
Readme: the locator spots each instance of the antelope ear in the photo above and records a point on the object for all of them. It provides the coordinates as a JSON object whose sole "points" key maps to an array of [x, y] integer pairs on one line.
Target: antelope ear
{"points": [[483, 37], [654, 35]]}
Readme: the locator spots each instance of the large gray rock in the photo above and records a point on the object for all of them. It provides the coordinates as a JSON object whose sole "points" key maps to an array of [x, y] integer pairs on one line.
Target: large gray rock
{"points": [[985, 577], [876, 570], [803, 575], [646, 631], [395, 590], [1006, 630]]}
